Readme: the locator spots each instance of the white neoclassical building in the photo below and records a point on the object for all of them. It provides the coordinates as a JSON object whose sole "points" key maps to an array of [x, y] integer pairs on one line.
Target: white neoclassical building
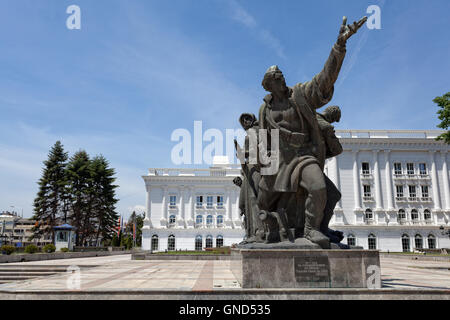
{"points": [[394, 184]]}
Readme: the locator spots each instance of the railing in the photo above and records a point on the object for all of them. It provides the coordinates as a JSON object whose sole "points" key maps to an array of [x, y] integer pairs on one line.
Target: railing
{"points": [[230, 170], [368, 198]]}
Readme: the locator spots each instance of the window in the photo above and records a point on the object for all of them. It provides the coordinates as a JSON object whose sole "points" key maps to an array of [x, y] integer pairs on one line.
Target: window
{"points": [[172, 219], [414, 215], [367, 192], [219, 201], [412, 192], [425, 193], [431, 242], [401, 214], [423, 168], [399, 189], [410, 168], [372, 242], [405, 243], [365, 168], [198, 243], [351, 240], [155, 243], [209, 220], [199, 220], [219, 241], [62, 236], [368, 215], [418, 241], [209, 201], [427, 214], [171, 243], [199, 202], [219, 220], [398, 168], [172, 201], [209, 242]]}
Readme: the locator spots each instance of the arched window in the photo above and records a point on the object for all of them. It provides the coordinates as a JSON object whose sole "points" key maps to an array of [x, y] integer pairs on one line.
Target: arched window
{"points": [[155, 243], [372, 242], [414, 215], [401, 215], [351, 240], [368, 215], [219, 241], [172, 219], [209, 220], [199, 220], [418, 241], [431, 241], [209, 242], [219, 220], [198, 243], [427, 215], [405, 243], [171, 243]]}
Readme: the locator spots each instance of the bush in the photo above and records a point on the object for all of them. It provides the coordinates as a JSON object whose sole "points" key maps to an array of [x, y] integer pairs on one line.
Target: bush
{"points": [[49, 248], [64, 249], [31, 249], [6, 249]]}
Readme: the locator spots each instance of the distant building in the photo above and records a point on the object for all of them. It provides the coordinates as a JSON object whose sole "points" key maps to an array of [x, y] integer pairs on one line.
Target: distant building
{"points": [[394, 184], [16, 231]]}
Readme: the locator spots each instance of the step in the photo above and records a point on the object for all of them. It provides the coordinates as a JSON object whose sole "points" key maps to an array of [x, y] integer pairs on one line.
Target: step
{"points": [[17, 278], [22, 273]]}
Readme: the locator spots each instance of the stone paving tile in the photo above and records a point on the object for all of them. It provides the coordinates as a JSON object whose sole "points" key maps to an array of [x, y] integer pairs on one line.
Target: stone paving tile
{"points": [[120, 272]]}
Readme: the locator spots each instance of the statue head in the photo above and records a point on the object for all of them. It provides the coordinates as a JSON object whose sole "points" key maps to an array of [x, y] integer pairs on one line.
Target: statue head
{"points": [[247, 120], [274, 80], [237, 181], [332, 114]]}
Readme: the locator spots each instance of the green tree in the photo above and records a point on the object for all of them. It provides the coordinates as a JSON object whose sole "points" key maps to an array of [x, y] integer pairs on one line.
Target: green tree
{"points": [[79, 183], [444, 115], [49, 204], [103, 198]]}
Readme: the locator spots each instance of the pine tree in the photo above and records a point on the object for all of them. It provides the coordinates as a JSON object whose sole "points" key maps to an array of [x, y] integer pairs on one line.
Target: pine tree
{"points": [[49, 208], [103, 198], [79, 182]]}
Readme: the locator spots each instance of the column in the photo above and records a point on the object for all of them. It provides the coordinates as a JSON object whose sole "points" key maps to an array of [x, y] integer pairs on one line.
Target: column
{"points": [[192, 203], [390, 193], [337, 181], [182, 211], [148, 204], [229, 205], [434, 183], [445, 176], [356, 187], [164, 204], [376, 173]]}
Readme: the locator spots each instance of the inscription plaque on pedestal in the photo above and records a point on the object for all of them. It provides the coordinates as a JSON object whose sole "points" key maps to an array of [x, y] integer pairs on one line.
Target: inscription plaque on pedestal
{"points": [[312, 271]]}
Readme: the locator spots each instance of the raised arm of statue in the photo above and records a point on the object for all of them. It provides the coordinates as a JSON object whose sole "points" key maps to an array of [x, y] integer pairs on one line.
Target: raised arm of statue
{"points": [[319, 91]]}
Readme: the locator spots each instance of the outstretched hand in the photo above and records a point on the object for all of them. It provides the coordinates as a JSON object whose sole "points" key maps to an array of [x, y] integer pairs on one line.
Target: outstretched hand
{"points": [[347, 31]]}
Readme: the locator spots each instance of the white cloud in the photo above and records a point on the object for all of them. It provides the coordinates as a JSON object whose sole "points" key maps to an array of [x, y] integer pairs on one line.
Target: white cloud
{"points": [[239, 14]]}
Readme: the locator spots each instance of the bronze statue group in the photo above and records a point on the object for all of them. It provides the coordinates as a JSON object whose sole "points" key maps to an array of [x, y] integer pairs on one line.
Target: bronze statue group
{"points": [[294, 204]]}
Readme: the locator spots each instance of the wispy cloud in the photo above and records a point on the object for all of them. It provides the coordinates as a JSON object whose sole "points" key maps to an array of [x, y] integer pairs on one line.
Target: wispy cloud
{"points": [[239, 14]]}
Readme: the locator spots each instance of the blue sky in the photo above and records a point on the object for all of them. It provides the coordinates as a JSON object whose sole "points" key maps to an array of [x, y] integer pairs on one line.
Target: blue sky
{"points": [[139, 69]]}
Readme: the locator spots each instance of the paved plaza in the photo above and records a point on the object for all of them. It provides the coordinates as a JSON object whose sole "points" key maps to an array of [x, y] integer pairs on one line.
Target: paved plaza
{"points": [[168, 279]]}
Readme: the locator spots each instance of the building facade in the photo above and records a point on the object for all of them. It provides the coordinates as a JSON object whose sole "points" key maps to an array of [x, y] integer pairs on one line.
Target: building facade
{"points": [[17, 231], [394, 185]]}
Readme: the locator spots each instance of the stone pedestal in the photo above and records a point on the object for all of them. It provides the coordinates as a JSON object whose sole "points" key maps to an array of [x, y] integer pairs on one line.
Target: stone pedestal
{"points": [[297, 268]]}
